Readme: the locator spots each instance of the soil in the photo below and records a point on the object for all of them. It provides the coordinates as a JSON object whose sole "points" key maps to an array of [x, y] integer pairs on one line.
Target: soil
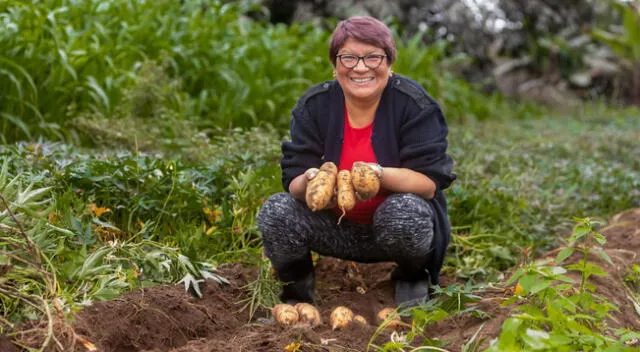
{"points": [[166, 318]]}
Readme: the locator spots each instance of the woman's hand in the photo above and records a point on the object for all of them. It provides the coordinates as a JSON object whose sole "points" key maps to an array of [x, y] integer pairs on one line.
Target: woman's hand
{"points": [[298, 187], [403, 180]]}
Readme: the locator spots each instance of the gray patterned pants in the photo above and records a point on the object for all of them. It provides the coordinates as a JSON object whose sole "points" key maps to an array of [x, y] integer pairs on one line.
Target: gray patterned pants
{"points": [[402, 232]]}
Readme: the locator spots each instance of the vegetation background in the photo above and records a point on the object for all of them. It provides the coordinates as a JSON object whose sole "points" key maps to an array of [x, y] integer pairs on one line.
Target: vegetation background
{"points": [[140, 138]]}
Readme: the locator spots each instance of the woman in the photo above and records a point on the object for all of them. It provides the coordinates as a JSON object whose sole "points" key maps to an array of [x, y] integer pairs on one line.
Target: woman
{"points": [[372, 115]]}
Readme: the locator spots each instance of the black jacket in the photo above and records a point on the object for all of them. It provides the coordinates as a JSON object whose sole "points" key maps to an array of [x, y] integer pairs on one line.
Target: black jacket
{"points": [[409, 131]]}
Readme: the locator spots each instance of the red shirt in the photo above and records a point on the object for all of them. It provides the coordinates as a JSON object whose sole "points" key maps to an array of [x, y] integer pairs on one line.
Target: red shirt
{"points": [[357, 146]]}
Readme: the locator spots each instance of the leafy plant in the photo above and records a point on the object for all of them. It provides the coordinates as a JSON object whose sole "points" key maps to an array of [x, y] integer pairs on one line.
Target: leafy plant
{"points": [[554, 316], [626, 44], [133, 59], [51, 269], [450, 301]]}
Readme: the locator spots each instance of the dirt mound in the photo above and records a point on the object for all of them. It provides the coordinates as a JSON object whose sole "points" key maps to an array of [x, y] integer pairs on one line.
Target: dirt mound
{"points": [[166, 318]]}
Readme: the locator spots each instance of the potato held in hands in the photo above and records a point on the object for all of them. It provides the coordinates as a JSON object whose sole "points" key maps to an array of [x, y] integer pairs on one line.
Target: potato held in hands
{"points": [[346, 196], [366, 182], [320, 189]]}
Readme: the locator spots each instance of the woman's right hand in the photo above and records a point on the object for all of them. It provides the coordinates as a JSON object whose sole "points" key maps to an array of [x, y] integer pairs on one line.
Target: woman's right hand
{"points": [[298, 186]]}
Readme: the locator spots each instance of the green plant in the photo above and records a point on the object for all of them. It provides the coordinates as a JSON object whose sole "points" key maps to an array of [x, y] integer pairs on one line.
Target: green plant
{"points": [[450, 301], [554, 315], [633, 278], [61, 258], [585, 234], [71, 61], [626, 44], [263, 292]]}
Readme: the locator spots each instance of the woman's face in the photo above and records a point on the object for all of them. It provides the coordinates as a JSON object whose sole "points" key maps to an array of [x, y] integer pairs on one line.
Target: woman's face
{"points": [[362, 82]]}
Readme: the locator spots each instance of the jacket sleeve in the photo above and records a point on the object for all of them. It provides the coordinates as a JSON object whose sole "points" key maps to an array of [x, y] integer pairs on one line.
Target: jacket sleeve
{"points": [[423, 145], [305, 148]]}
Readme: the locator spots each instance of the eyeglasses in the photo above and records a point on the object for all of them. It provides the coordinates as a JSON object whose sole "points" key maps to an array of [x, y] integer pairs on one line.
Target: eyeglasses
{"points": [[350, 61]]}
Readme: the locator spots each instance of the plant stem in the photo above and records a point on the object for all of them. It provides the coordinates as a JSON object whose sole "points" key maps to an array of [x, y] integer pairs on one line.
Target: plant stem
{"points": [[585, 252]]}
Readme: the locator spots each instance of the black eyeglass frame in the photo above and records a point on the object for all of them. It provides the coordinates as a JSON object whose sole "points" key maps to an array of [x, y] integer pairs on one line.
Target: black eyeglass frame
{"points": [[381, 56]]}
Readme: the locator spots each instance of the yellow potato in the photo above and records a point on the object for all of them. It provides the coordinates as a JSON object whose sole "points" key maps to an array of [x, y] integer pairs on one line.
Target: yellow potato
{"points": [[329, 167], [340, 317], [320, 189], [391, 315], [308, 315], [365, 181], [346, 195], [360, 319], [285, 314]]}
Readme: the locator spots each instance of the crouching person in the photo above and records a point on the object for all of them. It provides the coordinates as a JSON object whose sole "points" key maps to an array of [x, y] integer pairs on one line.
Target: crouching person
{"points": [[388, 122]]}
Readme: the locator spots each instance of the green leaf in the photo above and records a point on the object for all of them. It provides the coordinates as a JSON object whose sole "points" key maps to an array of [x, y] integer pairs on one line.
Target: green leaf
{"points": [[536, 339], [515, 276], [191, 284], [599, 237], [564, 254], [631, 24], [557, 340], [17, 122], [580, 231], [603, 255], [527, 282], [539, 286]]}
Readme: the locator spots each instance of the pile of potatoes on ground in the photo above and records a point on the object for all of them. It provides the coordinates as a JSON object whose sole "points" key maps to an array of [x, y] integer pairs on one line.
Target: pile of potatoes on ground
{"points": [[362, 181], [305, 314]]}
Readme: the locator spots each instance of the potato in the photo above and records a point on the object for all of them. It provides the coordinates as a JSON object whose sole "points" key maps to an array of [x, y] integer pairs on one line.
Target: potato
{"points": [[346, 195], [285, 314], [392, 316], [340, 317], [329, 167], [320, 189], [360, 319], [365, 181], [308, 314]]}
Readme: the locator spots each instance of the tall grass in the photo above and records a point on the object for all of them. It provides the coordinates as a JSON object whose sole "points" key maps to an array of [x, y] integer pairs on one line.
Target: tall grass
{"points": [[85, 55], [200, 61]]}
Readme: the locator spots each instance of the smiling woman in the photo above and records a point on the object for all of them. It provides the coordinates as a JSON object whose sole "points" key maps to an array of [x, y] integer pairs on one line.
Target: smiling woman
{"points": [[384, 128]]}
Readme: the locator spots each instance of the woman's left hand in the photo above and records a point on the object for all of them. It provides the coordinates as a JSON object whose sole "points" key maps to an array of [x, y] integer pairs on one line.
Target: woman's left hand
{"points": [[403, 180]]}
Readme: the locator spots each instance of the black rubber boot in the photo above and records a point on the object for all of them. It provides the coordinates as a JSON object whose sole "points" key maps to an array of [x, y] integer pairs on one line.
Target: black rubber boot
{"points": [[412, 288], [299, 281]]}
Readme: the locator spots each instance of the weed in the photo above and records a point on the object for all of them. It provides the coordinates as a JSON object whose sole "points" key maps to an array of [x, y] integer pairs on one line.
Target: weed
{"points": [[556, 317], [263, 292]]}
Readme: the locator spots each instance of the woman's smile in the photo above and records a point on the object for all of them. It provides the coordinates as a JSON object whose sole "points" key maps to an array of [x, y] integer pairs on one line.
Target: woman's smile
{"points": [[362, 80]]}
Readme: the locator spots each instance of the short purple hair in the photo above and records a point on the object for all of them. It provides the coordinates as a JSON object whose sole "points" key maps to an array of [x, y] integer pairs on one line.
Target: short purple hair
{"points": [[365, 29]]}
